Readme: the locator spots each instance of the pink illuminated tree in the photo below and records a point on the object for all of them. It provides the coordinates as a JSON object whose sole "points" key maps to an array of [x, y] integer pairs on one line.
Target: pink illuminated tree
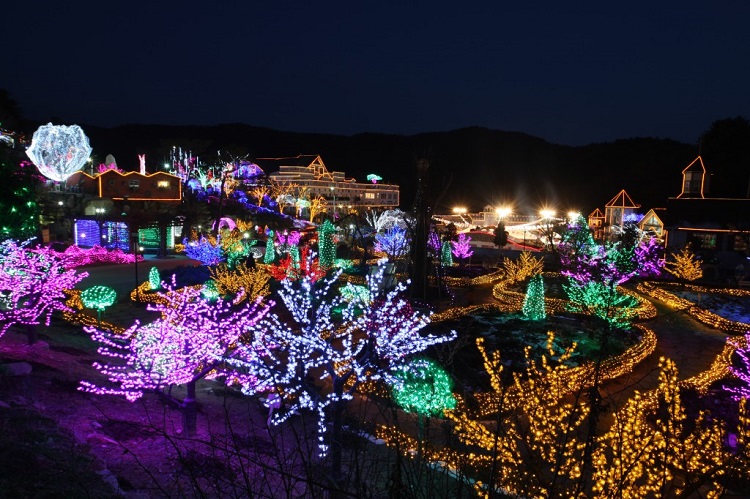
{"points": [[192, 340], [33, 284], [461, 248], [322, 358]]}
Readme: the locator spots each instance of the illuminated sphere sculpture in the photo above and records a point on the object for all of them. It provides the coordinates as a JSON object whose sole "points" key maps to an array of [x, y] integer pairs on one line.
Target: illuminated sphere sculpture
{"points": [[59, 151]]}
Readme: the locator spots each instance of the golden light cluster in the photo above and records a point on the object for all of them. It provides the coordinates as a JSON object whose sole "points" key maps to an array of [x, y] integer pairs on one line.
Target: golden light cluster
{"points": [[695, 310]]}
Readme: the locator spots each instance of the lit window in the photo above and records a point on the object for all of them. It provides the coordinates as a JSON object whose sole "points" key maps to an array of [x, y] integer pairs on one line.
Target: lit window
{"points": [[163, 184]]}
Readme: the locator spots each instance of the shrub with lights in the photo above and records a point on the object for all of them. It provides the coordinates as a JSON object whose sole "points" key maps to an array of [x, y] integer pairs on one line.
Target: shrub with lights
{"points": [[33, 283], [269, 256], [154, 279], [423, 387], [205, 250], [192, 340]]}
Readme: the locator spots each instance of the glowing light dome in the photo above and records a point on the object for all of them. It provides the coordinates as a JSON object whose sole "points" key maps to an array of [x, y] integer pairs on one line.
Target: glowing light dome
{"points": [[59, 150]]}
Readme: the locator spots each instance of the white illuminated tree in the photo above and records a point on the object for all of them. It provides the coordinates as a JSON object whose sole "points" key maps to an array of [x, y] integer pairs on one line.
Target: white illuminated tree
{"points": [[59, 151], [320, 361]]}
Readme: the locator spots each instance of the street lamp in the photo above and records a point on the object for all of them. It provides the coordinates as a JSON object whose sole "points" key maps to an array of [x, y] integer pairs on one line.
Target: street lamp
{"points": [[333, 192], [100, 221], [548, 215], [503, 212]]}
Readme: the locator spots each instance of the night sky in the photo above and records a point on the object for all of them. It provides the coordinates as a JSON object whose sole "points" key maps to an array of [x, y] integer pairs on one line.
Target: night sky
{"points": [[570, 72]]}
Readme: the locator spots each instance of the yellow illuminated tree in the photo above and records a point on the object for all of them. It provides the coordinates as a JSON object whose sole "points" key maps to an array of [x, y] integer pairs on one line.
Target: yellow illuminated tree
{"points": [[317, 205], [524, 267], [684, 265], [228, 282], [652, 449], [534, 445], [259, 192]]}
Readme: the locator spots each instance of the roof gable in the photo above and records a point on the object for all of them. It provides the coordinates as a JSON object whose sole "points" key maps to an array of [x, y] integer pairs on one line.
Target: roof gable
{"points": [[622, 200]]}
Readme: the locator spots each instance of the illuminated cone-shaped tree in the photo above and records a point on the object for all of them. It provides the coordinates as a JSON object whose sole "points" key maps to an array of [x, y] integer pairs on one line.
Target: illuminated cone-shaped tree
{"points": [[269, 256], [154, 279], [320, 361], [446, 254], [684, 265], [533, 304], [19, 210], [326, 247], [33, 282], [461, 247], [98, 298], [193, 339]]}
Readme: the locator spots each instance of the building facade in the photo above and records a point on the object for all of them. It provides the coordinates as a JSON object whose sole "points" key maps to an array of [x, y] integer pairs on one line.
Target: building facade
{"points": [[310, 177]]}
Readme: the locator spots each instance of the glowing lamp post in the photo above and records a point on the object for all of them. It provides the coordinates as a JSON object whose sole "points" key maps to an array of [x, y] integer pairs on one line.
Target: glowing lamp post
{"points": [[503, 212], [548, 215], [333, 193]]}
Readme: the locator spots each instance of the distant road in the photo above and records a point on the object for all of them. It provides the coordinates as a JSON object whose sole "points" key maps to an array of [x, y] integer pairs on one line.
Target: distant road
{"points": [[121, 277]]}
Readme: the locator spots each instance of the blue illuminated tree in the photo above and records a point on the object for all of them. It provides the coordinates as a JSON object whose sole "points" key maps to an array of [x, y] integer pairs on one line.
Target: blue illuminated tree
{"points": [[204, 250]]}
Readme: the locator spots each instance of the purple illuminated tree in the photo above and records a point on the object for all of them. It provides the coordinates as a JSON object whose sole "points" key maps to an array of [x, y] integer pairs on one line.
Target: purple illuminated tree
{"points": [[321, 361], [461, 248], [33, 284], [741, 369], [192, 340]]}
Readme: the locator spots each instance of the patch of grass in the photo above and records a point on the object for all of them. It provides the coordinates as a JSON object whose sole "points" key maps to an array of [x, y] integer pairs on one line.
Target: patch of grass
{"points": [[39, 460]]}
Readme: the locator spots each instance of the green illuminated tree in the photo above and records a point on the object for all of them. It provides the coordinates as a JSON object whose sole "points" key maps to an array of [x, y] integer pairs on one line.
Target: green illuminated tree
{"points": [[533, 305], [326, 247], [446, 254]]}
